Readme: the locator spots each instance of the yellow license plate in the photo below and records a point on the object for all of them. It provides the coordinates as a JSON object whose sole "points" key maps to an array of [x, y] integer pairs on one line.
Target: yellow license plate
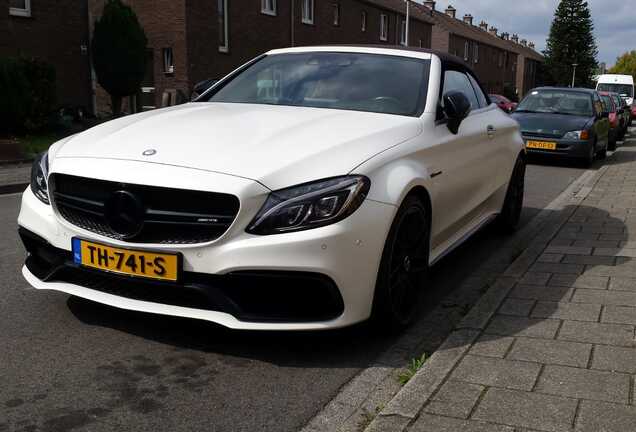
{"points": [[543, 145], [144, 264]]}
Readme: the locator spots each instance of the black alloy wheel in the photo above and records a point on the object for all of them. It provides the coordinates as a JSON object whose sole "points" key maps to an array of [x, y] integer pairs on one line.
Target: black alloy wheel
{"points": [[508, 219], [404, 266]]}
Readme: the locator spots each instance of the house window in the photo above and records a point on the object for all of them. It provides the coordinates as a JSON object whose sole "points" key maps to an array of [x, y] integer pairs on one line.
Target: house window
{"points": [[422, 43], [476, 54], [20, 8], [222, 13], [336, 14], [384, 27], [466, 51], [168, 61], [403, 33], [363, 19], [500, 60], [308, 11], [268, 7]]}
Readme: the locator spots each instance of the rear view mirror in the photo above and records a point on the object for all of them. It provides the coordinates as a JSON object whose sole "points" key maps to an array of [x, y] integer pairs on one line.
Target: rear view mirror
{"points": [[456, 107]]}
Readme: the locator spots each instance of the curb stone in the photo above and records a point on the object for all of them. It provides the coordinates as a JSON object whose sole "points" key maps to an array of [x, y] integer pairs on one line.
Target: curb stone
{"points": [[408, 402]]}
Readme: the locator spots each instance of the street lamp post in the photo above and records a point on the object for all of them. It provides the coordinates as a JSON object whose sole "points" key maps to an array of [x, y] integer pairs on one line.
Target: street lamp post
{"points": [[406, 36], [574, 73]]}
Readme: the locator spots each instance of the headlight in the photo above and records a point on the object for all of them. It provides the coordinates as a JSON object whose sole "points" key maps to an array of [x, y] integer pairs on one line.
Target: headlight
{"points": [[310, 205], [577, 135], [39, 176]]}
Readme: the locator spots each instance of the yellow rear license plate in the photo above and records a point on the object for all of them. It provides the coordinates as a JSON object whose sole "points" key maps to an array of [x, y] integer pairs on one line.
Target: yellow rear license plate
{"points": [[543, 145], [143, 264]]}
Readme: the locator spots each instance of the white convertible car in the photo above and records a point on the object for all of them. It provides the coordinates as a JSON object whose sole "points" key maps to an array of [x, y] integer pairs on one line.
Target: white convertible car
{"points": [[311, 188]]}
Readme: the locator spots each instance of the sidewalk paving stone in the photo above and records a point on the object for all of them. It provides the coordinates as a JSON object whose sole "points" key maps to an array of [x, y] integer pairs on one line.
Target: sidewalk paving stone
{"points": [[529, 410], [455, 399], [492, 346], [605, 417], [578, 281], [428, 423], [551, 352], [598, 297], [497, 372], [567, 311], [618, 359], [597, 333], [622, 284], [619, 315], [516, 307], [518, 326], [584, 384], [538, 292]]}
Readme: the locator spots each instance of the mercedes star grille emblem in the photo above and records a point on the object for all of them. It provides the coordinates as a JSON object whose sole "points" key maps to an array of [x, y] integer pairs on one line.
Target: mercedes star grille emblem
{"points": [[124, 214]]}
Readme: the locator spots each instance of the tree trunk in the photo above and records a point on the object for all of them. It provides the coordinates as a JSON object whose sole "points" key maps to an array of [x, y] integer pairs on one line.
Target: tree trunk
{"points": [[115, 104]]}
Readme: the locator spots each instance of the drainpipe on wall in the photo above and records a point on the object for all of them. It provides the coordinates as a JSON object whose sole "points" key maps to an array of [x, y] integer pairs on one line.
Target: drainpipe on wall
{"points": [[292, 2]]}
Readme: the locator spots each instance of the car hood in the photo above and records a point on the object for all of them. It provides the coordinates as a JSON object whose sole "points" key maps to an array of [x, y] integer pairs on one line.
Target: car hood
{"points": [[277, 146], [550, 124]]}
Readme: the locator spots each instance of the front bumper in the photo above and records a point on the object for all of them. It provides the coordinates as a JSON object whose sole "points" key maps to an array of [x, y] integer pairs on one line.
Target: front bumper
{"points": [[569, 148], [309, 280]]}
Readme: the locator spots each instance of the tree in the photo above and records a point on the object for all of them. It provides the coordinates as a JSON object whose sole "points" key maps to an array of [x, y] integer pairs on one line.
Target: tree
{"points": [[625, 64], [119, 52], [572, 41]]}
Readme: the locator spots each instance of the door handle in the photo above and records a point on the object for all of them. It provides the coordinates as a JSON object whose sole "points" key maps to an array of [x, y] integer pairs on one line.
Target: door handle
{"points": [[491, 131]]}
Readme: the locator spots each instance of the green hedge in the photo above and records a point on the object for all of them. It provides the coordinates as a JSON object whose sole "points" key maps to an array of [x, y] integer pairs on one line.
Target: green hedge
{"points": [[28, 99]]}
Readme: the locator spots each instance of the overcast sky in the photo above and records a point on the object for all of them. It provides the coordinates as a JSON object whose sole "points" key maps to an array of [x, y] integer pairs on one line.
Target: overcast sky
{"points": [[614, 21]]}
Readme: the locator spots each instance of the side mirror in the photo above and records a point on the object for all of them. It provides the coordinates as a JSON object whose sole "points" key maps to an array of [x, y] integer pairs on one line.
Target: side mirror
{"points": [[456, 108]]}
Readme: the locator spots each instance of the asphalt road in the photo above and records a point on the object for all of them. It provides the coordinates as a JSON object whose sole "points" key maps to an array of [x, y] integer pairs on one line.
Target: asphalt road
{"points": [[68, 364]]}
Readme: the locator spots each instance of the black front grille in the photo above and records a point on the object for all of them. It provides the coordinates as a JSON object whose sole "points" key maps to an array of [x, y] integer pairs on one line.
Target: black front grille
{"points": [[542, 135], [171, 216]]}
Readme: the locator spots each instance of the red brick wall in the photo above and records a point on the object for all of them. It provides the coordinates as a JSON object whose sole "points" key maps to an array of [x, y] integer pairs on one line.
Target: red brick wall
{"points": [[492, 74], [164, 24], [54, 33], [251, 33]]}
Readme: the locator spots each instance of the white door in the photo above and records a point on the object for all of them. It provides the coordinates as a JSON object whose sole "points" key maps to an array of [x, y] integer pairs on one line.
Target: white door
{"points": [[465, 164]]}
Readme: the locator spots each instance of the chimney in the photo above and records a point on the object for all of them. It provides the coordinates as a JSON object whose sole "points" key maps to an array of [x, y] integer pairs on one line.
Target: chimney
{"points": [[524, 42], [505, 36], [493, 31], [483, 25], [451, 11], [468, 19], [515, 38], [531, 45], [430, 4]]}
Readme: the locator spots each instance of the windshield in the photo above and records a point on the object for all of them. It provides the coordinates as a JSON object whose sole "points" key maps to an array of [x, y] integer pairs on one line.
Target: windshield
{"points": [[557, 102], [621, 89], [349, 81]]}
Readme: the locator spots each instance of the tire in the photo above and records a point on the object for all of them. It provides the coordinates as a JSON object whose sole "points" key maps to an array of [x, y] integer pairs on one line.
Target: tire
{"points": [[508, 219], [589, 159], [403, 268]]}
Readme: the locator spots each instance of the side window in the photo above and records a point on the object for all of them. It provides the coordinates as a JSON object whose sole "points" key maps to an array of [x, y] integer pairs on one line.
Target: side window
{"points": [[458, 81], [481, 97]]}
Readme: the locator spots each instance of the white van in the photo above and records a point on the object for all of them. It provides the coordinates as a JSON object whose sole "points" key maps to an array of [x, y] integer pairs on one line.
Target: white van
{"points": [[621, 84]]}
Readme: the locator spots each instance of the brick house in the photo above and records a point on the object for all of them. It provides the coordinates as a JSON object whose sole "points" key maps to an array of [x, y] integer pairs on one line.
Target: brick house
{"points": [[528, 66], [55, 32], [190, 41], [493, 59]]}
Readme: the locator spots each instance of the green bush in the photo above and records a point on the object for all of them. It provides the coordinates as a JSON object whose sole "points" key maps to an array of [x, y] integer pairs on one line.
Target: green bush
{"points": [[28, 99]]}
